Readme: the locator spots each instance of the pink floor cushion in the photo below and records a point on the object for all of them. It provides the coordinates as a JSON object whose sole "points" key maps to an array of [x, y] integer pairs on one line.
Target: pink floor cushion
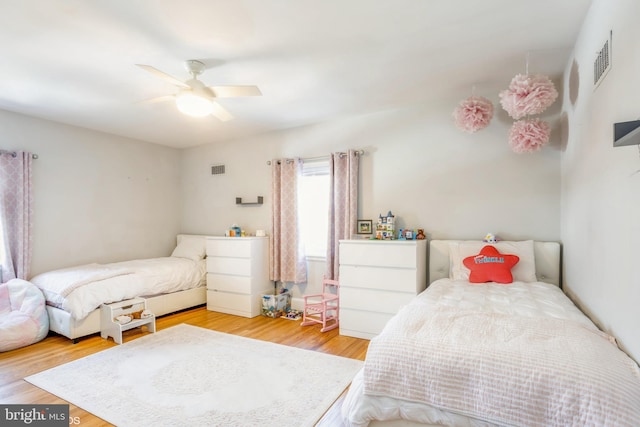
{"points": [[23, 316]]}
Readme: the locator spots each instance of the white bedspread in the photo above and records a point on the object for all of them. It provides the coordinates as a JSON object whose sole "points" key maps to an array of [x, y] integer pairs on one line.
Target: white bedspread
{"points": [[82, 289], [66, 280], [519, 355]]}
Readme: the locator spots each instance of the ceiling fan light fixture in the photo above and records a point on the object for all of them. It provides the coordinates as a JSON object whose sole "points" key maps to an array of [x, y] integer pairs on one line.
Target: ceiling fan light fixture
{"points": [[194, 98], [193, 105]]}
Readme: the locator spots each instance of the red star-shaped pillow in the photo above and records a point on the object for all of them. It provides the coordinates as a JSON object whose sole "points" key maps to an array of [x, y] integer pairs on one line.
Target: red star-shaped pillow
{"points": [[490, 266]]}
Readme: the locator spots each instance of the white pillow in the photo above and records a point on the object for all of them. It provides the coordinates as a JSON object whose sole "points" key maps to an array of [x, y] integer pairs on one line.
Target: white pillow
{"points": [[523, 271], [190, 248]]}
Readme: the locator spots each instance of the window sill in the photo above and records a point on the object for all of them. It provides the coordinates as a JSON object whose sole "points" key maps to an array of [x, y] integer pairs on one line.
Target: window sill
{"points": [[316, 258]]}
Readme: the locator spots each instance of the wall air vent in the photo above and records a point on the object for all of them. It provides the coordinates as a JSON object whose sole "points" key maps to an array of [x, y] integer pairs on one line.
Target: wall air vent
{"points": [[217, 170], [602, 64]]}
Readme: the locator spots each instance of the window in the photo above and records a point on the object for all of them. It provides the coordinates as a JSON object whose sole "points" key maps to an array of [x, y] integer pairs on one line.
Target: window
{"points": [[313, 207]]}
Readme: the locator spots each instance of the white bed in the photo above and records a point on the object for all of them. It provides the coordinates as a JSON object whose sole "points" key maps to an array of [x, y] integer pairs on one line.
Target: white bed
{"points": [[489, 354], [169, 284]]}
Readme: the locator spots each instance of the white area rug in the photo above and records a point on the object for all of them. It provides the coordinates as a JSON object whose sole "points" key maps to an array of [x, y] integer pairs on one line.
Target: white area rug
{"points": [[190, 376]]}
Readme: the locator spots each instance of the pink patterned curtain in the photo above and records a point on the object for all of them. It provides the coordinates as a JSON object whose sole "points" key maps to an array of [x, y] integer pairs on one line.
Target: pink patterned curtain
{"points": [[15, 215], [287, 257], [343, 205]]}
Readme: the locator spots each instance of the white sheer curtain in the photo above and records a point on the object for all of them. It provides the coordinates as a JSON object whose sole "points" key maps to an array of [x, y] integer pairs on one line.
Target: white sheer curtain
{"points": [[15, 215], [287, 256], [343, 205]]}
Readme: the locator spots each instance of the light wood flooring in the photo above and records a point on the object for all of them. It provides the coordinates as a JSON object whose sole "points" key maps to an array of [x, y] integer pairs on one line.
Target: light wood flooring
{"points": [[56, 350]]}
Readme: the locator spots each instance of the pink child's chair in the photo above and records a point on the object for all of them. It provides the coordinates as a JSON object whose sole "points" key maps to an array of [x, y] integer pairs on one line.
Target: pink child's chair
{"points": [[323, 308]]}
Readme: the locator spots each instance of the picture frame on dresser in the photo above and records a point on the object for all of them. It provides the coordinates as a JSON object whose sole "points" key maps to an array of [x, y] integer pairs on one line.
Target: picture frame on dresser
{"points": [[365, 226]]}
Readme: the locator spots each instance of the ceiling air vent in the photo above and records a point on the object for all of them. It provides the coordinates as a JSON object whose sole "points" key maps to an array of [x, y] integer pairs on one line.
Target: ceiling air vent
{"points": [[602, 64], [217, 170]]}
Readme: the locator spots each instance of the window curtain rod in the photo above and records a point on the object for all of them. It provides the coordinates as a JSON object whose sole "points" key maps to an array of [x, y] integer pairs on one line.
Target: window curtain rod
{"points": [[14, 154], [315, 159]]}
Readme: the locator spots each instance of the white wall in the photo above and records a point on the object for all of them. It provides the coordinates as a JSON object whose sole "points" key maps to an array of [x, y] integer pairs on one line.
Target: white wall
{"points": [[97, 197], [600, 186], [417, 164]]}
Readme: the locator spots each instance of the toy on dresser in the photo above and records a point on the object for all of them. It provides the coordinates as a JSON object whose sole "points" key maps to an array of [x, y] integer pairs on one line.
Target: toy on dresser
{"points": [[385, 230], [386, 227]]}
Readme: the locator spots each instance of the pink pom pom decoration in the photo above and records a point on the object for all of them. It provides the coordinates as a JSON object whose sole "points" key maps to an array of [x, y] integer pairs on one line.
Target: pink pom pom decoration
{"points": [[527, 136], [473, 114], [528, 95]]}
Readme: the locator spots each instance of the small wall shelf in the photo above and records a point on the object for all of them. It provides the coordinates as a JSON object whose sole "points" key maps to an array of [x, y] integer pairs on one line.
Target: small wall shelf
{"points": [[240, 202], [626, 133]]}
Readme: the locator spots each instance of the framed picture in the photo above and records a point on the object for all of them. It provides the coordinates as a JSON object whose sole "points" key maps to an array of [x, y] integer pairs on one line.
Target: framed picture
{"points": [[365, 226]]}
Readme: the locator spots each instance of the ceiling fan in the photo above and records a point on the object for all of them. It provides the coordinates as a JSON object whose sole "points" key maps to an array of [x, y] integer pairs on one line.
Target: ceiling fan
{"points": [[194, 98]]}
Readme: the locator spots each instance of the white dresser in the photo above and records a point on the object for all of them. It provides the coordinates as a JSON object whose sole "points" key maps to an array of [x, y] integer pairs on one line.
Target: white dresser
{"points": [[377, 278], [237, 274]]}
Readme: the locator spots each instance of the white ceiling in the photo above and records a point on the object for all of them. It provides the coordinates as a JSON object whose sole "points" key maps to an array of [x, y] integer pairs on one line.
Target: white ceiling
{"points": [[72, 61]]}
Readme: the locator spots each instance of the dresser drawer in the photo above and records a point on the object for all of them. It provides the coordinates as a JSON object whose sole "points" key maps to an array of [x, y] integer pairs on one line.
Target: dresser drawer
{"points": [[231, 247], [375, 301], [238, 304], [236, 266], [387, 254], [227, 283], [395, 279], [362, 324]]}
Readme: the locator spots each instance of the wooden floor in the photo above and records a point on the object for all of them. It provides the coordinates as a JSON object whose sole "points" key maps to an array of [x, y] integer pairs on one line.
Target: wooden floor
{"points": [[56, 350]]}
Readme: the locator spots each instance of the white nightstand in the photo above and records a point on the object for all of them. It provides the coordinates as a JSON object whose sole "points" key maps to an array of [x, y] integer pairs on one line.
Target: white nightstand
{"points": [[110, 327]]}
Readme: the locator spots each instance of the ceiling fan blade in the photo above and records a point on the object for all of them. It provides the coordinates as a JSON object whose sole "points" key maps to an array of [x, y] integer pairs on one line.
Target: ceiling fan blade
{"points": [[233, 91], [220, 112], [162, 75], [158, 99]]}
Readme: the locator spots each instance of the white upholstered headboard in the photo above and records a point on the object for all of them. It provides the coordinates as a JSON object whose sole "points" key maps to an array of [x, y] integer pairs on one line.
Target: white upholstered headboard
{"points": [[547, 255]]}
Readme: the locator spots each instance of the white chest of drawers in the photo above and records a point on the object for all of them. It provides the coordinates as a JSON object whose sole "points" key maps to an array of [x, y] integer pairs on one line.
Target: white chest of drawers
{"points": [[377, 278], [237, 274]]}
